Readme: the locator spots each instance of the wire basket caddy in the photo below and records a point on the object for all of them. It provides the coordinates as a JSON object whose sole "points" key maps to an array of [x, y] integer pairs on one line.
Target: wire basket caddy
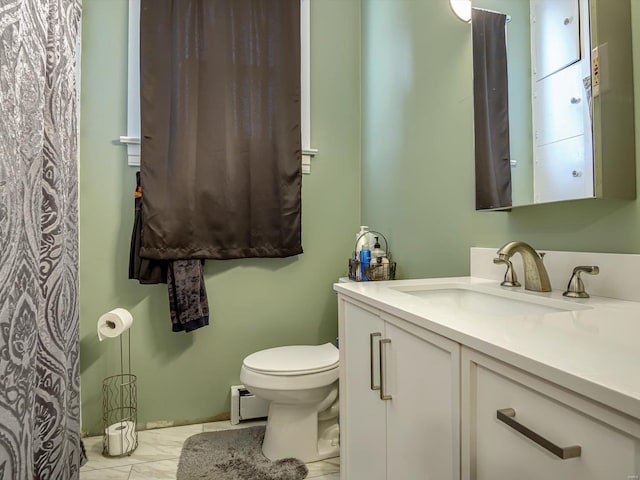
{"points": [[120, 410], [378, 269]]}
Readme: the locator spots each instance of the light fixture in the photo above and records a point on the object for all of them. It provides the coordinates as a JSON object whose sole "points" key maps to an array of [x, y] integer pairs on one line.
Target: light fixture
{"points": [[462, 9]]}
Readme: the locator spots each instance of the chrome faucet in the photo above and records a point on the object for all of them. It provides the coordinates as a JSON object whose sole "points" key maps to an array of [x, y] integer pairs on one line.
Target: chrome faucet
{"points": [[535, 274]]}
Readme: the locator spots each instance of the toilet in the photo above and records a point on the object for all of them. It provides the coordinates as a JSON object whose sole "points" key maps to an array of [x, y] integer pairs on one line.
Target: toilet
{"points": [[301, 382]]}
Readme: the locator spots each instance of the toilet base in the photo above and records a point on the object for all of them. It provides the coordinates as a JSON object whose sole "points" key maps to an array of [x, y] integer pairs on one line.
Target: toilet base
{"points": [[294, 431]]}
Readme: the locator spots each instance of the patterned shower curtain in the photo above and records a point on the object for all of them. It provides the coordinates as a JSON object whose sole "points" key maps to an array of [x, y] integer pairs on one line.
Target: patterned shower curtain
{"points": [[39, 348]]}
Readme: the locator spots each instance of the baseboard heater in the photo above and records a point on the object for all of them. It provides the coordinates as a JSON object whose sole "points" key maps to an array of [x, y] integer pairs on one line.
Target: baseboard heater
{"points": [[246, 406]]}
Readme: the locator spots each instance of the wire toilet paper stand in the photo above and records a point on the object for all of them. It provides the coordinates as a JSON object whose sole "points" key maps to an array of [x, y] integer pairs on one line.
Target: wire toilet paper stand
{"points": [[120, 407]]}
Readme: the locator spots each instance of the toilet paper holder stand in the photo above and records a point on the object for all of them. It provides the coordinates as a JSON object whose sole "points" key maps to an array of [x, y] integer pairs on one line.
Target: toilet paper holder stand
{"points": [[120, 407]]}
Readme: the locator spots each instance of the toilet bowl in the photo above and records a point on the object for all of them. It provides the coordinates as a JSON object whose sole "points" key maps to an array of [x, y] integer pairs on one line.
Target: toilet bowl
{"points": [[301, 382]]}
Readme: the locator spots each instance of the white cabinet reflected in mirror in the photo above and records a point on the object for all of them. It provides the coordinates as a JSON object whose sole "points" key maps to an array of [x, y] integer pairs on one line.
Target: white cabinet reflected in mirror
{"points": [[554, 116]]}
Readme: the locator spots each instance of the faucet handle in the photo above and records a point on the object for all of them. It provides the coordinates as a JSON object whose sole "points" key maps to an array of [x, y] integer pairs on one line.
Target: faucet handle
{"points": [[575, 289], [510, 279]]}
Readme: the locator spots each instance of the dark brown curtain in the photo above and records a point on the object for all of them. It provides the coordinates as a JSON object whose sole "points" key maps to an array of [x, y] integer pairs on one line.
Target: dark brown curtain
{"points": [[221, 149], [491, 110]]}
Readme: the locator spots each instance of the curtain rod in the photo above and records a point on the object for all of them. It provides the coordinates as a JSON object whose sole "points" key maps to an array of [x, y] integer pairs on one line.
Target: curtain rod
{"points": [[494, 11]]}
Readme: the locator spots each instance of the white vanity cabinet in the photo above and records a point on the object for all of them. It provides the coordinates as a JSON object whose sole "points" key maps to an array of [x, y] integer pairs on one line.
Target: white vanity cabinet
{"points": [[430, 391], [598, 442], [399, 398]]}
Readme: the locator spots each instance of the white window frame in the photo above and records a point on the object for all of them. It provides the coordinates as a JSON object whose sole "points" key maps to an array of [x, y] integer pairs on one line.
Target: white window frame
{"points": [[132, 139]]}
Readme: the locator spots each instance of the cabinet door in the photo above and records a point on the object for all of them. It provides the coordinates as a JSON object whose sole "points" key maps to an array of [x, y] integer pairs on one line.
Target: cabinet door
{"points": [[562, 171], [495, 450], [362, 413], [422, 378], [560, 106], [555, 35]]}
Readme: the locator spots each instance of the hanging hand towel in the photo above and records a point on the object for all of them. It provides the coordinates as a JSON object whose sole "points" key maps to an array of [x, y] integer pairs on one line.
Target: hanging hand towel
{"points": [[146, 270], [187, 295]]}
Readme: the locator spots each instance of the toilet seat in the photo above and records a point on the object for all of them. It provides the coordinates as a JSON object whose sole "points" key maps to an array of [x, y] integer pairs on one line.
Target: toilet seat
{"points": [[293, 360]]}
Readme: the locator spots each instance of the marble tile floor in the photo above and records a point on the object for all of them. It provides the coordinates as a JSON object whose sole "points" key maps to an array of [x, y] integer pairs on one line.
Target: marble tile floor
{"points": [[156, 457]]}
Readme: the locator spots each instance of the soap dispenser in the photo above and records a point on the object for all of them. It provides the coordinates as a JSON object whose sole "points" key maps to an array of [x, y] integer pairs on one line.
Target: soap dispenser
{"points": [[379, 263], [377, 254]]}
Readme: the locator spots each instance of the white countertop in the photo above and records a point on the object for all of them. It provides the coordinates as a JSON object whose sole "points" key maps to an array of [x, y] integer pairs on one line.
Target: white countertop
{"points": [[594, 352]]}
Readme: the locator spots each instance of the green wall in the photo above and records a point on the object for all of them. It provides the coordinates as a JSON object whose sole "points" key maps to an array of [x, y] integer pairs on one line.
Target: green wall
{"points": [[417, 154], [417, 151], [255, 303], [415, 184]]}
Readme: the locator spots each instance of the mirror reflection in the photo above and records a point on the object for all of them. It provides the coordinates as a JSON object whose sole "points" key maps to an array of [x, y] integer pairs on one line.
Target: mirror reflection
{"points": [[532, 102]]}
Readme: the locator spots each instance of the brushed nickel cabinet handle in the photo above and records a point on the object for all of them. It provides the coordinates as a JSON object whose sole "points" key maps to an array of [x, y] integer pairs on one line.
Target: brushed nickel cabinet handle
{"points": [[371, 364], [383, 362], [507, 415]]}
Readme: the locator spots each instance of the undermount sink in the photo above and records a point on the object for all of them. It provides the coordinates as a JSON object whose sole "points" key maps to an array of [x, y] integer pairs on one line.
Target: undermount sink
{"points": [[456, 298]]}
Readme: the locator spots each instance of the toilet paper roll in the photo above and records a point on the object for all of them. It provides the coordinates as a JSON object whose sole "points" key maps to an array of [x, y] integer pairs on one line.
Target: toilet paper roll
{"points": [[121, 438], [114, 323]]}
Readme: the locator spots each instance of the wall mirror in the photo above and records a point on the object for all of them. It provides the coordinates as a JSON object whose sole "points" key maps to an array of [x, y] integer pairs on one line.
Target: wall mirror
{"points": [[553, 101]]}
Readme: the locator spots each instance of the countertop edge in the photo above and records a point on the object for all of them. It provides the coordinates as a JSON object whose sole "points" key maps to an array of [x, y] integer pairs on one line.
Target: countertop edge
{"points": [[603, 394]]}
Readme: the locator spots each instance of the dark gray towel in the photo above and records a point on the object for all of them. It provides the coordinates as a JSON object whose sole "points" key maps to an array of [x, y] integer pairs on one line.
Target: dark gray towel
{"points": [[146, 270], [187, 295], [184, 278]]}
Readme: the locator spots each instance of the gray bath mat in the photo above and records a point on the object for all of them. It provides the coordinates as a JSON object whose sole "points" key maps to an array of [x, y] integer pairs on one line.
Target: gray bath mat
{"points": [[234, 455]]}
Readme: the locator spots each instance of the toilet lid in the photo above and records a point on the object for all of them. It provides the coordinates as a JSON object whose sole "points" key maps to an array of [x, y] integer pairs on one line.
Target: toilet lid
{"points": [[294, 359]]}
